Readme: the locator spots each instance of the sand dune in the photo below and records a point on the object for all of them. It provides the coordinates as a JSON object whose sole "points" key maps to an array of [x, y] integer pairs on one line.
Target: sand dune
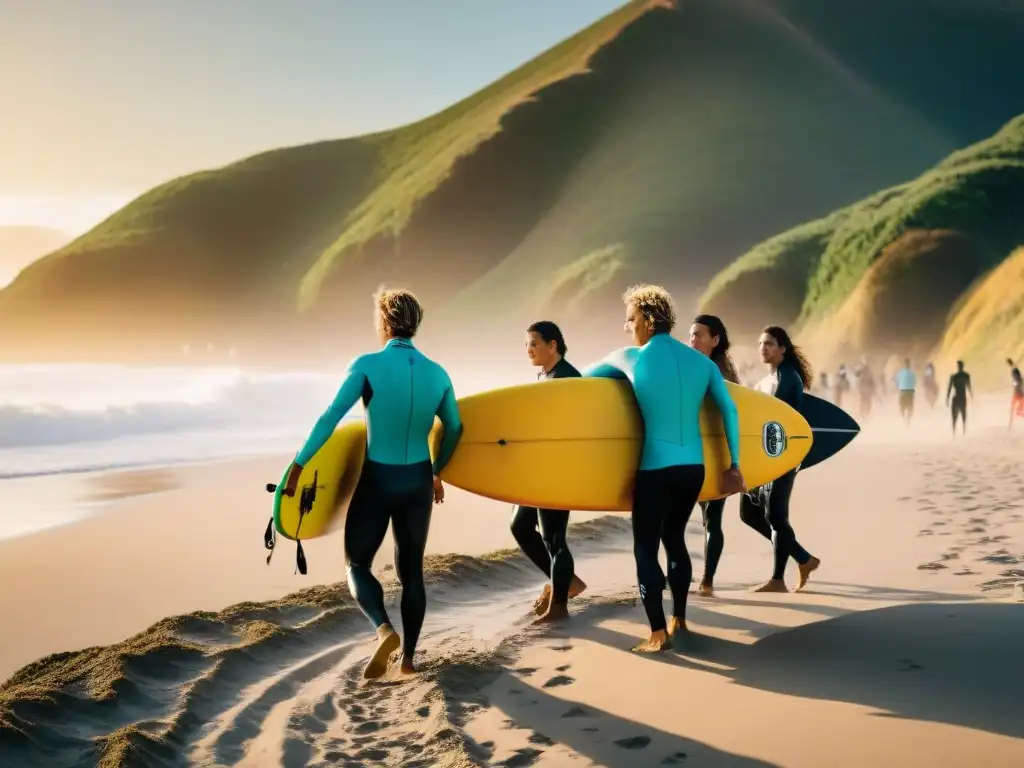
{"points": [[904, 649]]}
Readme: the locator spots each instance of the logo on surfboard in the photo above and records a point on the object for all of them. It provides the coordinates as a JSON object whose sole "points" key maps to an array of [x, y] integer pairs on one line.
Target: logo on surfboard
{"points": [[773, 439]]}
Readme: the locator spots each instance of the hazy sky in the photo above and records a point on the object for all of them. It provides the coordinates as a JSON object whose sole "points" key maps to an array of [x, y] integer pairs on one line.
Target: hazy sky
{"points": [[103, 99]]}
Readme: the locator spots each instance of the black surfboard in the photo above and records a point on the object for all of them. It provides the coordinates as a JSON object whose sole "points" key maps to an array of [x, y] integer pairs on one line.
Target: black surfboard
{"points": [[833, 429]]}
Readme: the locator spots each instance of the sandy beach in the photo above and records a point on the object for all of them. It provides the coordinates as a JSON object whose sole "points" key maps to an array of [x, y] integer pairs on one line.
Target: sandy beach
{"points": [[903, 650]]}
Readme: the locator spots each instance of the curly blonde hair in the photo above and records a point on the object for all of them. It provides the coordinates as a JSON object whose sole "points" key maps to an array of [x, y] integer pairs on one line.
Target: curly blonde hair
{"points": [[655, 304], [400, 312]]}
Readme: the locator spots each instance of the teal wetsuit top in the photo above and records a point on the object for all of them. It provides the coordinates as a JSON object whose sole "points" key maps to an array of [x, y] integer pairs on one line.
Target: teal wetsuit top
{"points": [[402, 390], [670, 381]]}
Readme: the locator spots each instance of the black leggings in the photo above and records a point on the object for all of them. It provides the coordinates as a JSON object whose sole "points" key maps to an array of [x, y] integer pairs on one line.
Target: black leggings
{"points": [[662, 504], [548, 548], [714, 538], [959, 409], [402, 495], [770, 516]]}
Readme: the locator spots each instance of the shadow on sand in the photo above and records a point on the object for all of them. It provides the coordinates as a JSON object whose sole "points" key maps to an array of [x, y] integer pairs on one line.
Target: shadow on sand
{"points": [[955, 663]]}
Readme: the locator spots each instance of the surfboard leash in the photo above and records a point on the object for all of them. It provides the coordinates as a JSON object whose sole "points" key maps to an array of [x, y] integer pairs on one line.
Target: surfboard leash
{"points": [[306, 499]]}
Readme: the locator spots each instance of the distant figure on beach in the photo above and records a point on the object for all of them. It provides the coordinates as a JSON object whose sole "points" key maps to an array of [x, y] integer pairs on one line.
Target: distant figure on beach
{"points": [[930, 386], [402, 390], [766, 509], [1017, 396], [959, 387], [866, 389], [670, 381], [823, 384], [709, 337], [548, 549], [906, 382], [841, 385]]}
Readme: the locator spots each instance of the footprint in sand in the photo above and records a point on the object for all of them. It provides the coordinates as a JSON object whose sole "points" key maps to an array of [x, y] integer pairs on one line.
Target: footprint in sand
{"points": [[950, 556], [522, 758], [931, 567], [591, 729], [540, 738], [562, 668], [561, 648], [558, 680], [633, 742], [527, 671], [674, 759], [575, 712], [423, 711]]}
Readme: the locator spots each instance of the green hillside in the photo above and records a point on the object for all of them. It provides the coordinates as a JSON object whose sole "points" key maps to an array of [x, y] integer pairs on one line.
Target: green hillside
{"points": [[887, 270], [656, 144], [987, 326]]}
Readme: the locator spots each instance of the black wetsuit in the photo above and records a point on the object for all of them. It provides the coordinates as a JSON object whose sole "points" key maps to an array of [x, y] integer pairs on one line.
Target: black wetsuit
{"points": [[714, 537], [548, 548], [959, 385], [766, 509]]}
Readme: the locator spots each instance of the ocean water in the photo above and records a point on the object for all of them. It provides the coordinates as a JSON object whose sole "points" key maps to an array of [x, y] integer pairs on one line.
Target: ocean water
{"points": [[61, 420]]}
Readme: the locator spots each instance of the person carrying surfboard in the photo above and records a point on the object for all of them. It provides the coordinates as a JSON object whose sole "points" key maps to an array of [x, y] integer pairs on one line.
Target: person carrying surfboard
{"points": [[670, 381], [709, 337], [402, 390], [766, 510], [959, 386], [548, 549]]}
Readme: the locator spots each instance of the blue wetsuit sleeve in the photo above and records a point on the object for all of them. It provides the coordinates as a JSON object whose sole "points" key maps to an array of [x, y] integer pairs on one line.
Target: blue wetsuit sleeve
{"points": [[348, 394], [603, 370], [727, 407], [448, 412]]}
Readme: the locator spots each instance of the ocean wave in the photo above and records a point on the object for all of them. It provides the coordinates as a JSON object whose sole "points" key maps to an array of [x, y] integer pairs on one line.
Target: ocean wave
{"points": [[90, 406]]}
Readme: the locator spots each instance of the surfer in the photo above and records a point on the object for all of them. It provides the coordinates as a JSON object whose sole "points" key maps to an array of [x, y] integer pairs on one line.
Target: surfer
{"points": [[402, 390], [959, 386], [670, 381], [905, 383], [766, 509], [709, 337], [545, 346], [1017, 398]]}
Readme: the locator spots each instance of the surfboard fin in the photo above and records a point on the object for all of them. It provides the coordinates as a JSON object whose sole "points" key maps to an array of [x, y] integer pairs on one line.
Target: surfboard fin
{"points": [[300, 557]]}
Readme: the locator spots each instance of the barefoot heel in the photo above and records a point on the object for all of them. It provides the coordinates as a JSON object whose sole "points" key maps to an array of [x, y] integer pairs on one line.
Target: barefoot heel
{"points": [[378, 663]]}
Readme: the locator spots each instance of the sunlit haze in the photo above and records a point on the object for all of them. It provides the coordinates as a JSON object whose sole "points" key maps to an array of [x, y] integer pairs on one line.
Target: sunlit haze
{"points": [[105, 99]]}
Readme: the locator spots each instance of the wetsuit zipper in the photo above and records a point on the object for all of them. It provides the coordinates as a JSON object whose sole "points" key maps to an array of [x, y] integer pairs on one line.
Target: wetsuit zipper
{"points": [[412, 400]]}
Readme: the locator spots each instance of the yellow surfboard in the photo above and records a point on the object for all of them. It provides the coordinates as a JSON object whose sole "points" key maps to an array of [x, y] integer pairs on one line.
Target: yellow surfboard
{"points": [[575, 443], [325, 486]]}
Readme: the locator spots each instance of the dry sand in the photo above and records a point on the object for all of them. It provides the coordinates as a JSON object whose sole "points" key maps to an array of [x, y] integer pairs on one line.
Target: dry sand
{"points": [[904, 649]]}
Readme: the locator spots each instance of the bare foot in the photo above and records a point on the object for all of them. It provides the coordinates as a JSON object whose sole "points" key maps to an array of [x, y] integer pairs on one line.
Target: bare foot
{"points": [[677, 626], [540, 605], [576, 586], [554, 613], [387, 643], [773, 585], [658, 641], [405, 667], [704, 589], [806, 570]]}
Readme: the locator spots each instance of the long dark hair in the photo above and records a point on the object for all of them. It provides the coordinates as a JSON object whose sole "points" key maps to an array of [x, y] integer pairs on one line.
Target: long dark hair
{"points": [[793, 354], [548, 331], [720, 352]]}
